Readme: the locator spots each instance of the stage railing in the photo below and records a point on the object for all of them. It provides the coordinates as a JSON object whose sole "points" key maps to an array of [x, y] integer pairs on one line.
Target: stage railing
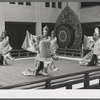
{"points": [[61, 51], [70, 52], [22, 53], [67, 81]]}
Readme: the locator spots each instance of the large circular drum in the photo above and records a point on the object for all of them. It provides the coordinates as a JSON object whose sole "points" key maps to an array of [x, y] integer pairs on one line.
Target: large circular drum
{"points": [[68, 29], [65, 36]]}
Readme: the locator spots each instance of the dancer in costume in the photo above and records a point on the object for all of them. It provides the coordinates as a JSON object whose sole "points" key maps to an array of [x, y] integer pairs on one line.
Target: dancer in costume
{"points": [[54, 45], [96, 48], [46, 54], [5, 47], [44, 58], [95, 51]]}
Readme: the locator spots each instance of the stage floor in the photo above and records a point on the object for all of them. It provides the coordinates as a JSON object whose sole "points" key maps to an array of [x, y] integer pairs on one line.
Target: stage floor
{"points": [[11, 74]]}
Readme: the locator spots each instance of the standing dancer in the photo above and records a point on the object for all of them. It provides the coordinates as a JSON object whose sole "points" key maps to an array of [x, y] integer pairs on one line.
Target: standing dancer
{"points": [[45, 56], [54, 45]]}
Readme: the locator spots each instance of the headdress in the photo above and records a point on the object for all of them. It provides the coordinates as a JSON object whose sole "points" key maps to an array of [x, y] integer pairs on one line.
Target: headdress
{"points": [[45, 28], [53, 32], [96, 30]]}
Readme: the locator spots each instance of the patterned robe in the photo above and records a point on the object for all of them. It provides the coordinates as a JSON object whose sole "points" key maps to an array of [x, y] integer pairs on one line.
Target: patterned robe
{"points": [[5, 46]]}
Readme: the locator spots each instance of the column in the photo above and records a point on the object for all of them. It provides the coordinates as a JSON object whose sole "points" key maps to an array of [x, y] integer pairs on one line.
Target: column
{"points": [[38, 18], [2, 16]]}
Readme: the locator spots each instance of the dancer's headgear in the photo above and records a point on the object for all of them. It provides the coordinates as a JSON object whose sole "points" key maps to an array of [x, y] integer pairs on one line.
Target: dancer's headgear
{"points": [[96, 30], [45, 28], [53, 32]]}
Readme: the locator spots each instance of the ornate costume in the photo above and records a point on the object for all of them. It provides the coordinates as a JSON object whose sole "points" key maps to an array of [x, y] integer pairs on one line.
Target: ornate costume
{"points": [[44, 54], [5, 47], [92, 57], [54, 44]]}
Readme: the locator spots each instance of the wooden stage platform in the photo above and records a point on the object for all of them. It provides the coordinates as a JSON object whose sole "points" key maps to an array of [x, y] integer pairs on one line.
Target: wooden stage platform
{"points": [[70, 73]]}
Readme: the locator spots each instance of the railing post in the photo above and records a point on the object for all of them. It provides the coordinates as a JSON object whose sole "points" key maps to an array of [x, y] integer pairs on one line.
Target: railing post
{"points": [[19, 53], [69, 86], [64, 51], [86, 82], [99, 81], [27, 54], [82, 52], [47, 84], [72, 53]]}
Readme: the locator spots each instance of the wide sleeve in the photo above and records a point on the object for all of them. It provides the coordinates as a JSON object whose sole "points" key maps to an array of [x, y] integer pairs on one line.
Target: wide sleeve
{"points": [[5, 41], [29, 42]]}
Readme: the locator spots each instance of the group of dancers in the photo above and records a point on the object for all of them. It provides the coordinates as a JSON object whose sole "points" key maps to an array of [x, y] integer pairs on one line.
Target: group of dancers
{"points": [[46, 48]]}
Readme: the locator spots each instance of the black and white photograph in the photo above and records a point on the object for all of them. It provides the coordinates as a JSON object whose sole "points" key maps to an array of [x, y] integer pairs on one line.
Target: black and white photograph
{"points": [[50, 45]]}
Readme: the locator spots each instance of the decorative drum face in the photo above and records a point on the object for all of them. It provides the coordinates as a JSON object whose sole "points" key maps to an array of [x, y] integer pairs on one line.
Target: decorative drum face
{"points": [[62, 36], [65, 36]]}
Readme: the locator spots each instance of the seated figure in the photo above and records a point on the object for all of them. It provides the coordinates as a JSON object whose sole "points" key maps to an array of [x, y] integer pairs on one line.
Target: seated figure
{"points": [[91, 59]]}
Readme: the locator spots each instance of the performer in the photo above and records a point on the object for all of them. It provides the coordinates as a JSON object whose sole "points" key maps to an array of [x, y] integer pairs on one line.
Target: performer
{"points": [[96, 48], [54, 45], [95, 51], [5, 47], [44, 59], [46, 53], [1, 57]]}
